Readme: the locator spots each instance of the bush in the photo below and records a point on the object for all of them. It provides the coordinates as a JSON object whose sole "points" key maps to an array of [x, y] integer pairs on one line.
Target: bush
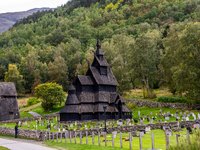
{"points": [[167, 99], [131, 105], [32, 101]]}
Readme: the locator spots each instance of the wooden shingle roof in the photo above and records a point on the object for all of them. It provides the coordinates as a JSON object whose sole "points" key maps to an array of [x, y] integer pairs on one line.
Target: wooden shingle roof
{"points": [[102, 62], [72, 99], [85, 80], [70, 109], [87, 108], [104, 80], [7, 89]]}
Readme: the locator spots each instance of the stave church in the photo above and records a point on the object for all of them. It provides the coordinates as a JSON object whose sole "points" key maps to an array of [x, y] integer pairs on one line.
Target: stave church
{"points": [[96, 89]]}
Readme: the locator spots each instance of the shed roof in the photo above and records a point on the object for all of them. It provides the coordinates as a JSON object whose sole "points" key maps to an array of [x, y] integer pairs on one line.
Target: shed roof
{"points": [[7, 89]]}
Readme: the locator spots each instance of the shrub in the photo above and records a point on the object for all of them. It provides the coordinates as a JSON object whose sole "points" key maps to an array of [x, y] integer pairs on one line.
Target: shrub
{"points": [[131, 105], [168, 99], [32, 101]]}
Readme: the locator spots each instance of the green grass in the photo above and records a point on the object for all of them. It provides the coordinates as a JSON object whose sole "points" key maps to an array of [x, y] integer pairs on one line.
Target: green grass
{"points": [[159, 140], [25, 114], [41, 111], [3, 148]]}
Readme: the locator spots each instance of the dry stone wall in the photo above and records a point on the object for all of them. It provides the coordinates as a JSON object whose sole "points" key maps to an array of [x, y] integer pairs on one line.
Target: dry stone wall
{"points": [[142, 103]]}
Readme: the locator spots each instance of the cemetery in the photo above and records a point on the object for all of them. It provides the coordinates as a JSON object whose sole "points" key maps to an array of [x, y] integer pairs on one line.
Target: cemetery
{"points": [[95, 114]]}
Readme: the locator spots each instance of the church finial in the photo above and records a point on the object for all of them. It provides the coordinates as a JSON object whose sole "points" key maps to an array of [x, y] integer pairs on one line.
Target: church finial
{"points": [[98, 41]]}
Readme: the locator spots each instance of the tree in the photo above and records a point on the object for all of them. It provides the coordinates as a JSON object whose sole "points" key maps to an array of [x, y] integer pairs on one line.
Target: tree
{"points": [[144, 58], [58, 72], [13, 76], [51, 94]]}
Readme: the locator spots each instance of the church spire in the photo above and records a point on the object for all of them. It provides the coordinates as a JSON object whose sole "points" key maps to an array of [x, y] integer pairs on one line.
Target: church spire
{"points": [[99, 51]]}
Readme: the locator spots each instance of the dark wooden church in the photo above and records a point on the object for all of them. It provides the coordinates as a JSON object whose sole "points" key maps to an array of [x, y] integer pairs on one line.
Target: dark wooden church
{"points": [[93, 91], [9, 109]]}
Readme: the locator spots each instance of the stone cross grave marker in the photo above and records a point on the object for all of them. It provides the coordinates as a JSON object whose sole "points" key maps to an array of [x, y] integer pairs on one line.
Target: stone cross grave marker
{"points": [[138, 113]]}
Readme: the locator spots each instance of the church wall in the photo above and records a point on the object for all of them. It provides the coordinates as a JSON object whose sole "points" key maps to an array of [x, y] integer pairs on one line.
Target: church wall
{"points": [[88, 88], [70, 117], [9, 109], [107, 88]]}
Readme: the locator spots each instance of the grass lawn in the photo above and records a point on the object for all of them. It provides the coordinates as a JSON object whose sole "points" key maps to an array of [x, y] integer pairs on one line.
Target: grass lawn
{"points": [[159, 140], [3, 148]]}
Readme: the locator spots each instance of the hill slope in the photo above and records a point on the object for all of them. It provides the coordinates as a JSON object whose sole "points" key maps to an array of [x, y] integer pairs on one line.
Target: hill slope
{"points": [[8, 19]]}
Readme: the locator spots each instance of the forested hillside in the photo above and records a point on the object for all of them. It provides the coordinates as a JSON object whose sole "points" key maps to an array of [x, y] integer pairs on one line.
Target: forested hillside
{"points": [[154, 41]]}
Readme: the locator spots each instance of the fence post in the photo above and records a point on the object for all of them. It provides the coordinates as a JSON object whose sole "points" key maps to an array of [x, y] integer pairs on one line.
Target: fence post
{"points": [[61, 136], [57, 136], [99, 138], [92, 137], [188, 136], [70, 136], [177, 139], [86, 138], [167, 140], [75, 137], [121, 140], [130, 140], [152, 140], [140, 140], [53, 136], [65, 136], [105, 139], [113, 142], [81, 137], [49, 135]]}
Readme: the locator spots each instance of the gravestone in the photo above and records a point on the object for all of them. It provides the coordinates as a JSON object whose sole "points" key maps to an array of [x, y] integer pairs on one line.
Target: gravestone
{"points": [[134, 133], [166, 118], [141, 134], [187, 119], [148, 129], [196, 126]]}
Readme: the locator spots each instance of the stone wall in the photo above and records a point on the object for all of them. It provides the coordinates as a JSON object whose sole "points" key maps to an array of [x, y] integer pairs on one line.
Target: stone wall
{"points": [[31, 118], [143, 103], [140, 127], [30, 134]]}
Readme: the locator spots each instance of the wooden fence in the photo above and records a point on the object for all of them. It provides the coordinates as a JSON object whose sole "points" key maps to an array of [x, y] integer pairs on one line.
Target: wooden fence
{"points": [[73, 134]]}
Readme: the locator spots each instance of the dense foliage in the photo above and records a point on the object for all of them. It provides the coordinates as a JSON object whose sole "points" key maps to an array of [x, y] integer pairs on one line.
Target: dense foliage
{"points": [[169, 99], [32, 101], [51, 94], [156, 42]]}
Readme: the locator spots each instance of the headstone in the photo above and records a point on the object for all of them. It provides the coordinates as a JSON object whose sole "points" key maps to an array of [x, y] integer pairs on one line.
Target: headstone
{"points": [[75, 123], [147, 129], [141, 122], [187, 119], [166, 118], [169, 132], [196, 126], [138, 113], [71, 125], [114, 134], [134, 133], [141, 134], [151, 113]]}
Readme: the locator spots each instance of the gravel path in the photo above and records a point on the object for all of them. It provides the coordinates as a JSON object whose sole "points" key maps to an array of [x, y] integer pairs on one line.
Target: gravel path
{"points": [[34, 114], [21, 144]]}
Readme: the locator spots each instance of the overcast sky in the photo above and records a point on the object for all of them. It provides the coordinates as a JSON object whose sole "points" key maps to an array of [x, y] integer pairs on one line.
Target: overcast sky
{"points": [[23, 5]]}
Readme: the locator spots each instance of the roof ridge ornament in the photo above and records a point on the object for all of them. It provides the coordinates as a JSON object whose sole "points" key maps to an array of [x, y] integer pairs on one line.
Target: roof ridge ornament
{"points": [[88, 62]]}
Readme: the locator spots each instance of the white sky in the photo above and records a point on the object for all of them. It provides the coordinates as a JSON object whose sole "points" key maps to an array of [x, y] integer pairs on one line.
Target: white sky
{"points": [[23, 5]]}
